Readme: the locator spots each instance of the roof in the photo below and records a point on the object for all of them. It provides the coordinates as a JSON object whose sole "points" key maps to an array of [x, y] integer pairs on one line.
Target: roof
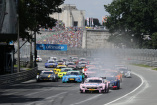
{"points": [[98, 78]]}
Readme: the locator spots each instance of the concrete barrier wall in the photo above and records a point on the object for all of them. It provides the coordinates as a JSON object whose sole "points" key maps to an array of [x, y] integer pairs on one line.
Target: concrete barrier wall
{"points": [[93, 39], [2, 12]]}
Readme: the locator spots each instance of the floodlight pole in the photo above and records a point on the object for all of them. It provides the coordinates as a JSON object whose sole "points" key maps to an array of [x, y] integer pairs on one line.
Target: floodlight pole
{"points": [[35, 51], [18, 46]]}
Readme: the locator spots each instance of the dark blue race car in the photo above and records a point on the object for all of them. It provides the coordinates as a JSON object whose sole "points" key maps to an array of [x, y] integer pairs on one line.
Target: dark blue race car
{"points": [[51, 63], [114, 82]]}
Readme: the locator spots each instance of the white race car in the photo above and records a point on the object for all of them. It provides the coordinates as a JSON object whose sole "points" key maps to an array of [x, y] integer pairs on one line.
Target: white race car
{"points": [[127, 74], [39, 59], [53, 58]]}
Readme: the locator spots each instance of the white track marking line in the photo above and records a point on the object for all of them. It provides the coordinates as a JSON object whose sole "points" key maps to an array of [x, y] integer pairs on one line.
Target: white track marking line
{"points": [[87, 99], [130, 92], [42, 100]]}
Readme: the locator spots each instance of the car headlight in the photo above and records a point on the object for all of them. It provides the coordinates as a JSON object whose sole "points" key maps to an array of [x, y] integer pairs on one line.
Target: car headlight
{"points": [[100, 86], [38, 76], [83, 86]]}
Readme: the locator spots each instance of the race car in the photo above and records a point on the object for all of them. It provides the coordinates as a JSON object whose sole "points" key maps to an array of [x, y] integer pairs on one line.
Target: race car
{"points": [[39, 59], [58, 68], [51, 63], [53, 58], [127, 74], [123, 71], [72, 76], [114, 82], [87, 67], [82, 60], [74, 59], [47, 76], [115, 73], [94, 84], [71, 64], [61, 62], [90, 72], [81, 65], [63, 72]]}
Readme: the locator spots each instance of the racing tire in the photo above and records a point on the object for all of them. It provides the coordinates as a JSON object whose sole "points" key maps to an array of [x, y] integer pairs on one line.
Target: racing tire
{"points": [[56, 80], [37, 80], [81, 91], [106, 90], [118, 87], [121, 80]]}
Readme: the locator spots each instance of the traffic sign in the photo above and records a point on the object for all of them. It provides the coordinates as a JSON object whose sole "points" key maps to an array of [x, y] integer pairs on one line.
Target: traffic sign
{"points": [[59, 47]]}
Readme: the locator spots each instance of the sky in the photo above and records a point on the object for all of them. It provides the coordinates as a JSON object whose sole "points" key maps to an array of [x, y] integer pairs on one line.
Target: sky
{"points": [[93, 8]]}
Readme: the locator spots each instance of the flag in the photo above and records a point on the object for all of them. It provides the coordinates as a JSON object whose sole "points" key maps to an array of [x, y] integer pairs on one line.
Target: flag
{"points": [[92, 22], [87, 21]]}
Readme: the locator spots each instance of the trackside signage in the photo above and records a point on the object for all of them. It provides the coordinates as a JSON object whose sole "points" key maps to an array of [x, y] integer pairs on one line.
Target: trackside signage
{"points": [[59, 47]]}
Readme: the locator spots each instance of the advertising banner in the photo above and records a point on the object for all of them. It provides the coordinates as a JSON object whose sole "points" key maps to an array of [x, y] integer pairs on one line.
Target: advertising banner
{"points": [[59, 47]]}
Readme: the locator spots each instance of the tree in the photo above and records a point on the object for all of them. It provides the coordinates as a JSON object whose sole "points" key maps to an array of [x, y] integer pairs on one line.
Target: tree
{"points": [[154, 39], [35, 13], [132, 17]]}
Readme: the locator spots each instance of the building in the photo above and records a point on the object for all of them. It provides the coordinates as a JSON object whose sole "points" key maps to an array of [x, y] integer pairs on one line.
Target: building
{"points": [[70, 16]]}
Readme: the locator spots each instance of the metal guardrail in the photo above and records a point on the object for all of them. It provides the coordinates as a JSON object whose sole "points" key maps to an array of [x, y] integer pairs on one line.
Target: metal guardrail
{"points": [[8, 79], [136, 56], [2, 12]]}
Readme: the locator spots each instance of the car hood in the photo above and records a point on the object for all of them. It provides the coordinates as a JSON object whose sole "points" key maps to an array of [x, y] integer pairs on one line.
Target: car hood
{"points": [[92, 84], [72, 76], [62, 72], [46, 75], [51, 63]]}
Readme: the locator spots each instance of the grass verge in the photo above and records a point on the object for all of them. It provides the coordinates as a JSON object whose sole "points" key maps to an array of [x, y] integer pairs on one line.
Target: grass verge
{"points": [[154, 69], [141, 65]]}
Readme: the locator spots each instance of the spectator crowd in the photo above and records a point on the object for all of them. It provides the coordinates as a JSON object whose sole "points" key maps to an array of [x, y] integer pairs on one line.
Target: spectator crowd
{"points": [[72, 36]]}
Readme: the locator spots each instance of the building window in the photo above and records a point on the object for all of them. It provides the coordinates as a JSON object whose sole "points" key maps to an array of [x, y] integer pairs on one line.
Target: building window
{"points": [[75, 23]]}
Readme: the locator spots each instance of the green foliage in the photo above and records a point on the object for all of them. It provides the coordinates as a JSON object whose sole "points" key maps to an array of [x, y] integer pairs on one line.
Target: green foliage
{"points": [[154, 68], [128, 17], [141, 65], [154, 40], [33, 13]]}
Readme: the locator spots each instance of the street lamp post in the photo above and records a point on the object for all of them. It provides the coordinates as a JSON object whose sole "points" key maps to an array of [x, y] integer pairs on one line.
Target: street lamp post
{"points": [[35, 51], [18, 46]]}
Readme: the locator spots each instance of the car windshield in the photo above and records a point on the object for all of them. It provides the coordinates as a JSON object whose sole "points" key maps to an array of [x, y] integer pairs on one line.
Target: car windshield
{"points": [[51, 62], [61, 67], [47, 73], [111, 78], [73, 73], [59, 61], [71, 64], [74, 58], [65, 70], [82, 64], [54, 58], [82, 59], [93, 81]]}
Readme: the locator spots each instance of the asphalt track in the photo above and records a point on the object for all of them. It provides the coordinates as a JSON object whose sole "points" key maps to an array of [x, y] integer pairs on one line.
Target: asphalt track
{"points": [[10, 18], [58, 93]]}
